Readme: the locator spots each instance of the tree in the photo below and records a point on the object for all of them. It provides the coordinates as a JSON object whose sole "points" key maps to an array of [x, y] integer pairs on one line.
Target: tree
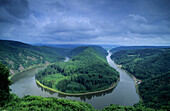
{"points": [[4, 84]]}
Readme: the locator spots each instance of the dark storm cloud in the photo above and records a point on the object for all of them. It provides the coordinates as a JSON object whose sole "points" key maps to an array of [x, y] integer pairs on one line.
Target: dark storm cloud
{"points": [[12, 10], [123, 22]]}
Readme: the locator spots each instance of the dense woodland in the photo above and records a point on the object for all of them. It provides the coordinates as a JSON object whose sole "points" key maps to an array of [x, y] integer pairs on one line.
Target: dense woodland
{"points": [[18, 56], [155, 91], [152, 66], [87, 71]]}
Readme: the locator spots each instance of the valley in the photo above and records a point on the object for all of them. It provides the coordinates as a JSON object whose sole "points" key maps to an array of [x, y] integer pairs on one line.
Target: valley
{"points": [[91, 74]]}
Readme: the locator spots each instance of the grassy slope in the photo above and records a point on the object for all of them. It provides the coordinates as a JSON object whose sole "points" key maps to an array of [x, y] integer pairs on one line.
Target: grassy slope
{"points": [[88, 71], [152, 66]]}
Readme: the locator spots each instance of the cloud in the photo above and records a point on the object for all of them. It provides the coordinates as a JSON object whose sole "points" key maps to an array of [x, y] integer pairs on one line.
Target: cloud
{"points": [[11, 10], [84, 21], [69, 24], [137, 18]]}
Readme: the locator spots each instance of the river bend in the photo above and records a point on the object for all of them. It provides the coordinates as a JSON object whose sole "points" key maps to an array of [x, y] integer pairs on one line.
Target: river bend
{"points": [[123, 94]]}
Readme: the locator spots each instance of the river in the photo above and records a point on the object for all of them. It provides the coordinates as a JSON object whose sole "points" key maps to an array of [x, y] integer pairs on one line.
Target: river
{"points": [[123, 94]]}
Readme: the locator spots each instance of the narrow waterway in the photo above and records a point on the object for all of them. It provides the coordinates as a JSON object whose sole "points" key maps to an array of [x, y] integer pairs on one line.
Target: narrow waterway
{"points": [[123, 94]]}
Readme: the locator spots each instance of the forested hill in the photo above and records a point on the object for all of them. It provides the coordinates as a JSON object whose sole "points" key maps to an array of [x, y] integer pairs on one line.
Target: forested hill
{"points": [[113, 50], [18, 56], [155, 91], [152, 66], [102, 52], [144, 63], [88, 71]]}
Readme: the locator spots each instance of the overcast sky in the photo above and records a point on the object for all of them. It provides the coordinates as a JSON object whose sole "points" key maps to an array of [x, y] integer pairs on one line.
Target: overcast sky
{"points": [[115, 22]]}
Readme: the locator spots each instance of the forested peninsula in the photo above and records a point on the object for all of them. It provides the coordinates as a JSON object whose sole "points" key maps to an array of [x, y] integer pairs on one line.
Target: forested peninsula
{"points": [[86, 71]]}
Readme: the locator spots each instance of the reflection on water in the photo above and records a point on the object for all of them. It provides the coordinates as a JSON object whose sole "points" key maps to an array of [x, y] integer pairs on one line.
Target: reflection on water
{"points": [[46, 90], [82, 97]]}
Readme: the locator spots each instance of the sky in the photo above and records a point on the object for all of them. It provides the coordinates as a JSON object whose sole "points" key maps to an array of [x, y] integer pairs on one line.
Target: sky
{"points": [[112, 22]]}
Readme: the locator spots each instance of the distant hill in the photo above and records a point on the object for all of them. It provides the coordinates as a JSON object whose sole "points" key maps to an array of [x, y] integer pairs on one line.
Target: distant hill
{"points": [[116, 49], [109, 47], [68, 46], [80, 49], [72, 46], [18, 56]]}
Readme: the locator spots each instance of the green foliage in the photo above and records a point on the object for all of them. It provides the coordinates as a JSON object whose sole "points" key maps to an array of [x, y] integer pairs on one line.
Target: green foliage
{"points": [[88, 71], [155, 91], [144, 63], [138, 107], [152, 66], [4, 84], [80, 49], [18, 56], [136, 48], [37, 103]]}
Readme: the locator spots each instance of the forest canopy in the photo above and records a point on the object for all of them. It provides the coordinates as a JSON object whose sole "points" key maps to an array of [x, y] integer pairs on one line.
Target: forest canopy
{"points": [[87, 71]]}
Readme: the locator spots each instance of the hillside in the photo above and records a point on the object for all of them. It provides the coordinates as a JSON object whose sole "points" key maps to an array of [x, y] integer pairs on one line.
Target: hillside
{"points": [[38, 103], [102, 52], [155, 91], [113, 50], [152, 66], [18, 56], [87, 71], [144, 63]]}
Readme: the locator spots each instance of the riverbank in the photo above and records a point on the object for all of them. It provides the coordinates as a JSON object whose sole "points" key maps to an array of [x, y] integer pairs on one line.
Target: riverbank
{"points": [[35, 66], [77, 94], [136, 81]]}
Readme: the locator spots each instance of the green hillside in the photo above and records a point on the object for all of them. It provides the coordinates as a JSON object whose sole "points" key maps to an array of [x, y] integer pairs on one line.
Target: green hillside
{"points": [[152, 66], [80, 49], [88, 71], [38, 103], [144, 63], [113, 50], [18, 56], [155, 91]]}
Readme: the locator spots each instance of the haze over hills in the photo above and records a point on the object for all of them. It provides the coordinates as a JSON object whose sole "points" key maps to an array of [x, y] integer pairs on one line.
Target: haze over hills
{"points": [[108, 47]]}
